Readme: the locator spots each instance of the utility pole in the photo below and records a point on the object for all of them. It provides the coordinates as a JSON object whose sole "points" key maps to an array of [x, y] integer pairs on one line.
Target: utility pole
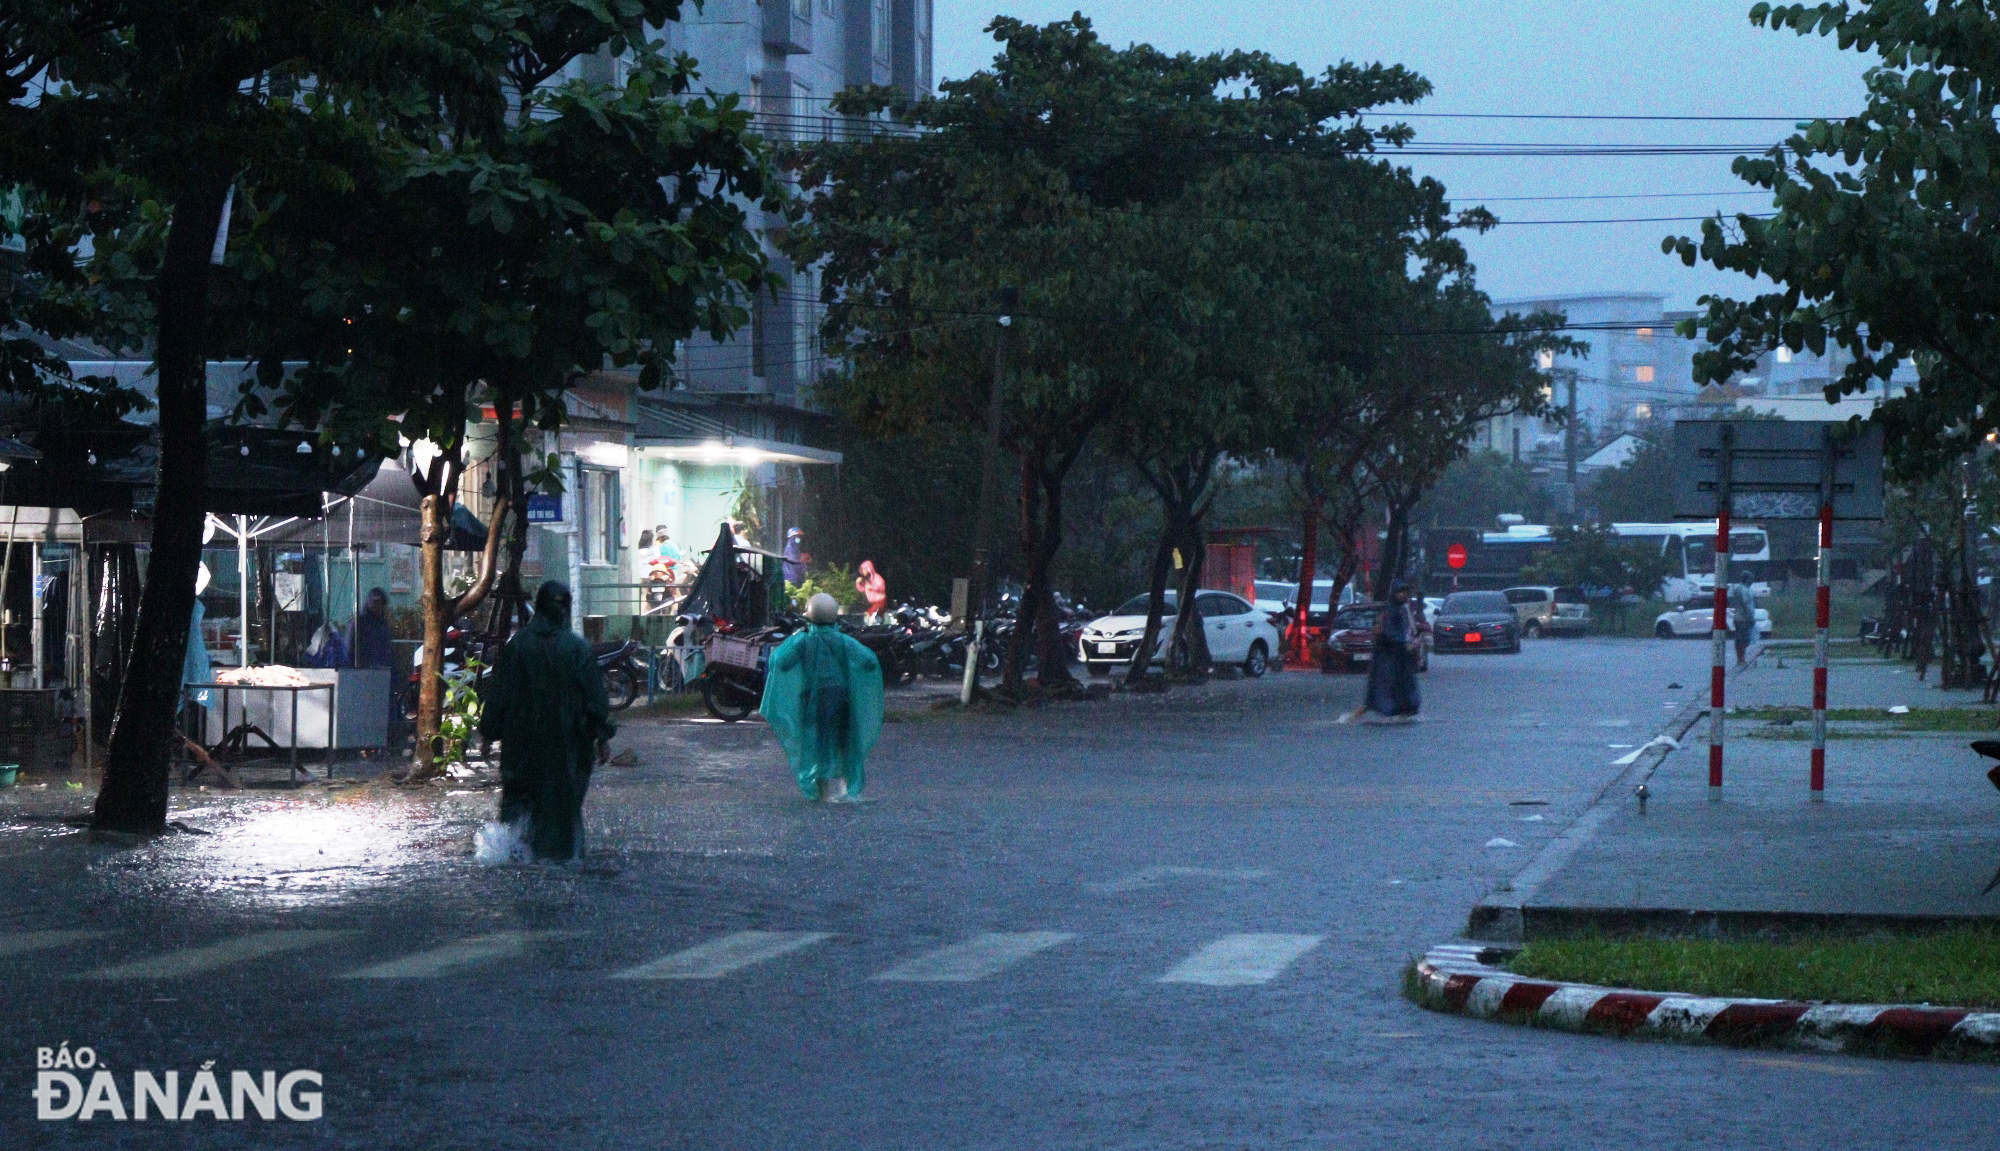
{"points": [[982, 531], [1569, 435]]}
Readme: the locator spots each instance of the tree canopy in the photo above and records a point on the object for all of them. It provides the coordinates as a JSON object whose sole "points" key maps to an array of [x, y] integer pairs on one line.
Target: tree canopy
{"points": [[1886, 228]]}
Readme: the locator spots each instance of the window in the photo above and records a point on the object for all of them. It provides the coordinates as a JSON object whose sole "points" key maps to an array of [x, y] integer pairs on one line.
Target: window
{"points": [[1521, 595], [599, 516], [1642, 411], [1644, 372], [1784, 355], [802, 9], [878, 22], [1644, 333], [1218, 605]]}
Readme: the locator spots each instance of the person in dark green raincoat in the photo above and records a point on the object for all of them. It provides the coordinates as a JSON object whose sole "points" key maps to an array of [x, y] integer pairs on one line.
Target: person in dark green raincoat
{"points": [[546, 705], [823, 700]]}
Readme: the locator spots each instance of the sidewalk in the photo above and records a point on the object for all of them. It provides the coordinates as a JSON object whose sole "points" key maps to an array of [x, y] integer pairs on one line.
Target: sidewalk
{"points": [[1907, 836]]}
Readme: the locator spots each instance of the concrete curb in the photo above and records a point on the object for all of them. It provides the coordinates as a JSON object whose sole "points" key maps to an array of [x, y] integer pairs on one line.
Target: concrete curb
{"points": [[1459, 979]]}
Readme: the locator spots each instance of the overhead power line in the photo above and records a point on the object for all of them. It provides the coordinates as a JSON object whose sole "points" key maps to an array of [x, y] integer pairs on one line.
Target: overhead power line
{"points": [[807, 129], [1598, 116]]}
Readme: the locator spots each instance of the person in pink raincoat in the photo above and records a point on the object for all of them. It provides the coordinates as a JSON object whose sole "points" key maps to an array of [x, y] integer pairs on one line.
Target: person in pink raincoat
{"points": [[874, 589]]}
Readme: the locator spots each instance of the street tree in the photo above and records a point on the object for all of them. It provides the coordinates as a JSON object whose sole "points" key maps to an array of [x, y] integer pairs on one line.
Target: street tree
{"points": [[130, 124], [1886, 227], [599, 226], [1452, 367], [1036, 173]]}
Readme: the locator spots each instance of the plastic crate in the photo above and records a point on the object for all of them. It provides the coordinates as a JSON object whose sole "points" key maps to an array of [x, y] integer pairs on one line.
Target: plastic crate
{"points": [[730, 651]]}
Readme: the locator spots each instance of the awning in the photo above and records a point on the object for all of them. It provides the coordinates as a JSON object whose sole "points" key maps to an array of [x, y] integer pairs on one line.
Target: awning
{"points": [[717, 433]]}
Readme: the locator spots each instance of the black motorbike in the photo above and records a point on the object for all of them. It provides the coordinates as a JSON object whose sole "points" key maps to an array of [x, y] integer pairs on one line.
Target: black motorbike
{"points": [[623, 663]]}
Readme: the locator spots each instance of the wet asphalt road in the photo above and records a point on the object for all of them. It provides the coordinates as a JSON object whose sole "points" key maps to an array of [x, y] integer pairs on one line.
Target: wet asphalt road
{"points": [[1155, 922]]}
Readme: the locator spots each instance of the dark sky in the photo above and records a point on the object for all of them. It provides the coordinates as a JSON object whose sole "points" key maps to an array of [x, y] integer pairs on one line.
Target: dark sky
{"points": [[1609, 57]]}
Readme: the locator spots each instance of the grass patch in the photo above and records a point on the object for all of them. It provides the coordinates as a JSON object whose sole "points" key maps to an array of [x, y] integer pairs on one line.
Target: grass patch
{"points": [[1935, 719], [1794, 613], [1960, 967]]}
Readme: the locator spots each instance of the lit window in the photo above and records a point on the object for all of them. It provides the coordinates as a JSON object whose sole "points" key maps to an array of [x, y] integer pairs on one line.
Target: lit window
{"points": [[1645, 333], [1643, 411], [1644, 372], [1545, 360], [1784, 355]]}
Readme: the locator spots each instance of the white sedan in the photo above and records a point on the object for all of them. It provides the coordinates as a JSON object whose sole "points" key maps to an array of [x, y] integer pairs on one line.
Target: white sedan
{"points": [[1237, 633], [1696, 617]]}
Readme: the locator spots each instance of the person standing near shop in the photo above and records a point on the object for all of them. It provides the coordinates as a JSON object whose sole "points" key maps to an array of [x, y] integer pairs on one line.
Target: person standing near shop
{"points": [[546, 705], [823, 700], [874, 589], [369, 635], [795, 556]]}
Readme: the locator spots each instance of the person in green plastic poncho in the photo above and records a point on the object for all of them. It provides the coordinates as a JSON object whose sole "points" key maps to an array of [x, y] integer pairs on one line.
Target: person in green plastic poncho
{"points": [[823, 699], [546, 705]]}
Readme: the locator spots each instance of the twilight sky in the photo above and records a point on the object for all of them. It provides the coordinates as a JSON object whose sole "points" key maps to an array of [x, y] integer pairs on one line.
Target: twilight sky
{"points": [[1606, 57]]}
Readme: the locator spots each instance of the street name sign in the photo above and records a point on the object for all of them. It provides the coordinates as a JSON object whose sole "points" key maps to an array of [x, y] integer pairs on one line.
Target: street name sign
{"points": [[1778, 469]]}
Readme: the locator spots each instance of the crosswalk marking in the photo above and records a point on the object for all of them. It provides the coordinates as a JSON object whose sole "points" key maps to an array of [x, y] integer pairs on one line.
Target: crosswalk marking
{"points": [[976, 958], [1241, 960], [195, 960], [23, 942], [724, 956], [464, 953]]}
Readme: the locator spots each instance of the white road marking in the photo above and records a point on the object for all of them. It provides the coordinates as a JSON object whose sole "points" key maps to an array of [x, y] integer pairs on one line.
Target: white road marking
{"points": [[22, 942], [195, 960], [725, 955], [464, 953], [976, 958], [1151, 876], [1242, 960]]}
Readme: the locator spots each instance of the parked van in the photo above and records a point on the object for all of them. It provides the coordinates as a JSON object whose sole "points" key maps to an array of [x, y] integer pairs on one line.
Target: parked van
{"points": [[1550, 610]]}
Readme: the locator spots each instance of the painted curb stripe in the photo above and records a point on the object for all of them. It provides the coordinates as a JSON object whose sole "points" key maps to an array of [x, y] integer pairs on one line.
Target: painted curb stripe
{"points": [[1743, 1024], [1622, 1012], [1527, 998], [1453, 979], [1456, 988], [1916, 1029]]}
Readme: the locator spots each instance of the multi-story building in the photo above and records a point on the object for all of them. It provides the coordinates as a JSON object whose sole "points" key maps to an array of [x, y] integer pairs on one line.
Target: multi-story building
{"points": [[731, 430]]}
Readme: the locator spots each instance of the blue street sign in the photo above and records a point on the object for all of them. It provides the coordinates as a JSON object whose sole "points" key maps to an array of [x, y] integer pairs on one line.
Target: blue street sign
{"points": [[545, 509]]}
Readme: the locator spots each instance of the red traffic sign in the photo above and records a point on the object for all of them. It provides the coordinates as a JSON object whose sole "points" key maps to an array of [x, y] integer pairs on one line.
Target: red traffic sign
{"points": [[1455, 556]]}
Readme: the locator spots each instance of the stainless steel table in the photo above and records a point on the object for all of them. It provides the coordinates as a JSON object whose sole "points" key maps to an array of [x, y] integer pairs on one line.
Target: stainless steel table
{"points": [[237, 738]]}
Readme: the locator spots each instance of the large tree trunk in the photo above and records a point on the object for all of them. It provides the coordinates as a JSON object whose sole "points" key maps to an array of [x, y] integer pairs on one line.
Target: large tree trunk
{"points": [[1054, 652], [514, 489], [1141, 665], [430, 673], [1014, 676], [1308, 571], [1395, 548], [133, 797], [1190, 634]]}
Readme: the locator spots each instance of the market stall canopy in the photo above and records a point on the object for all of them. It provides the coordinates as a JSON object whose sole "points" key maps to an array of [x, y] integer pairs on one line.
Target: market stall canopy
{"points": [[386, 510], [251, 471], [39, 525]]}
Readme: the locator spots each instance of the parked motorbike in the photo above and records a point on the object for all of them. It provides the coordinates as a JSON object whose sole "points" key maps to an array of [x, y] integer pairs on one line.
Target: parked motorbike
{"points": [[732, 678], [623, 663]]}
